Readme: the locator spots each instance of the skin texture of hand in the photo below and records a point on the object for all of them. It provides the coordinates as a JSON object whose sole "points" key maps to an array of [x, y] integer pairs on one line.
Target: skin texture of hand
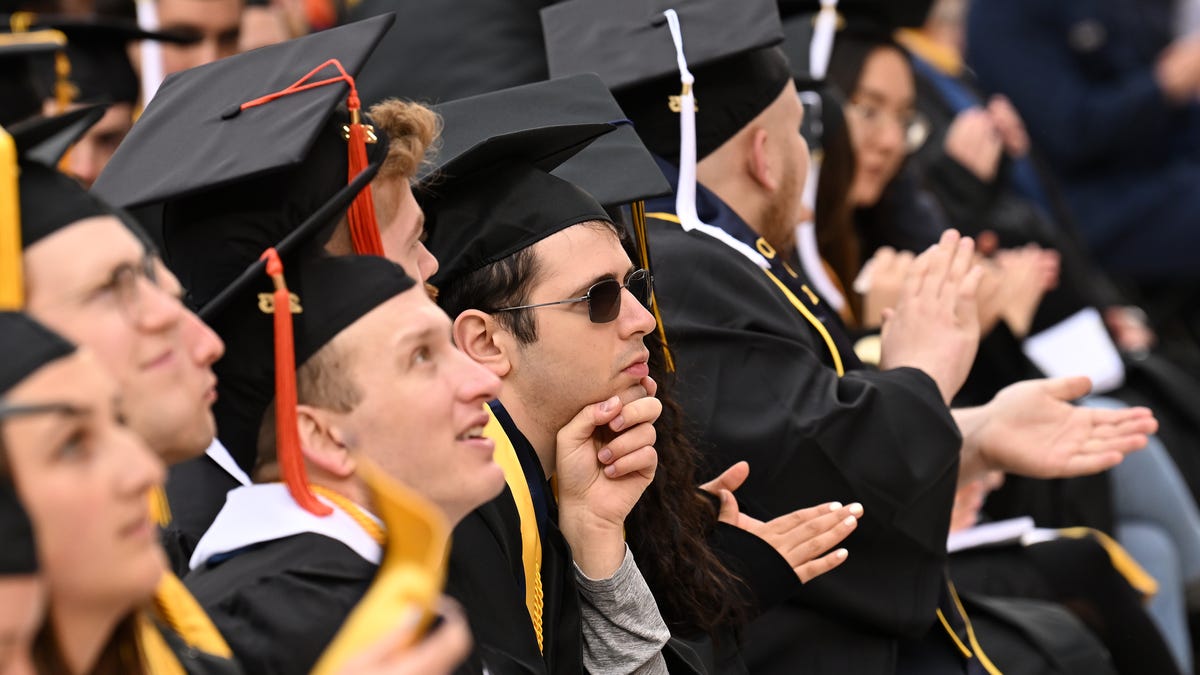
{"points": [[1027, 274], [803, 537], [1130, 329], [438, 653], [974, 142], [881, 282], [601, 476], [935, 325], [1178, 69], [1032, 429], [1009, 125]]}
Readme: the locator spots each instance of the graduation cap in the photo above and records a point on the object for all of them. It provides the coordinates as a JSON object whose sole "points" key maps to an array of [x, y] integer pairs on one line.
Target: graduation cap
{"points": [[631, 45], [489, 45], [99, 66], [254, 151], [28, 346], [45, 139], [883, 15], [272, 323], [616, 169], [498, 197], [20, 57]]}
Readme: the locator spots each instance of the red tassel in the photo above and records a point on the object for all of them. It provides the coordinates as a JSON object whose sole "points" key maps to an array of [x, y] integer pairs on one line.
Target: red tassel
{"points": [[364, 229], [287, 427]]}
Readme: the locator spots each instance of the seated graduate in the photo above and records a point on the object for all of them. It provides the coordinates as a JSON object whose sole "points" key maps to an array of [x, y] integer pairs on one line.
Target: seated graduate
{"points": [[86, 480], [813, 424], [22, 590], [87, 272], [284, 564], [700, 570], [241, 187]]}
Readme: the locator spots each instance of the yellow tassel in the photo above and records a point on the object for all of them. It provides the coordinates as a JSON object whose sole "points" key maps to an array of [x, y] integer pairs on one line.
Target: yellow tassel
{"points": [[160, 508], [643, 243], [177, 608], [412, 574], [12, 288]]}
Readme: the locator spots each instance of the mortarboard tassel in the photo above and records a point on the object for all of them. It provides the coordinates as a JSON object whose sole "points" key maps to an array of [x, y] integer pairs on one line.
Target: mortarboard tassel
{"points": [[287, 428], [643, 242], [364, 229], [12, 288]]}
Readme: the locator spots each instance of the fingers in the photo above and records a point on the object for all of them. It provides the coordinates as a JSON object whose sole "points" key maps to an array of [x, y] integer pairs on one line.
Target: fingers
{"points": [[646, 409], [731, 479], [634, 393], [811, 570], [802, 535], [629, 441], [1088, 464], [643, 461], [583, 425], [1068, 388], [961, 263], [940, 259], [729, 508], [649, 385]]}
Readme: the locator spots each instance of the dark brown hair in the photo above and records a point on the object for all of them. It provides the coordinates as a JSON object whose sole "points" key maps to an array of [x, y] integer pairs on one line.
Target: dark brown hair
{"points": [[120, 655]]}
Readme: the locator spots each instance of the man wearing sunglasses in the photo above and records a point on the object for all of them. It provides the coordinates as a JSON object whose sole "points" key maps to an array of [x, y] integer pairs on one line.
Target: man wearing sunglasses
{"points": [[544, 296]]}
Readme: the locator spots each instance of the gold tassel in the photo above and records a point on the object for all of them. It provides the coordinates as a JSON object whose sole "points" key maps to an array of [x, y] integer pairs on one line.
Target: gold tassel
{"points": [[12, 283], [643, 242]]}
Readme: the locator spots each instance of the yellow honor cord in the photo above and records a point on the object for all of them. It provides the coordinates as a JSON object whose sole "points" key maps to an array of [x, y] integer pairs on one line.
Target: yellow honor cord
{"points": [[157, 656], [1122, 562], [531, 540], [177, 608], [983, 659], [12, 284], [638, 209], [356, 512]]}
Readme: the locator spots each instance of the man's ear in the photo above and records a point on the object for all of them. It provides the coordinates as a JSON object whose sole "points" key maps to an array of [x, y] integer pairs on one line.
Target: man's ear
{"points": [[760, 162], [479, 336], [323, 443]]}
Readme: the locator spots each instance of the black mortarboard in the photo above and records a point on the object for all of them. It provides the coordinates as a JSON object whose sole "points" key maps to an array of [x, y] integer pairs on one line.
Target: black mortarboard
{"points": [[580, 99], [248, 152], [45, 139], [498, 197], [628, 43], [27, 346], [96, 50], [485, 45], [325, 294], [21, 55], [885, 15]]}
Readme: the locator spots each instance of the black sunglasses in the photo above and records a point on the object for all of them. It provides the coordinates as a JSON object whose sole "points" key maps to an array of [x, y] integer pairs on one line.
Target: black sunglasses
{"points": [[604, 297]]}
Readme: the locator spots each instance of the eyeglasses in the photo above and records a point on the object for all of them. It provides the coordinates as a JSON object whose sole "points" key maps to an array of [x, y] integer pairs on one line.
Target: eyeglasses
{"points": [[872, 118], [604, 297], [126, 289]]}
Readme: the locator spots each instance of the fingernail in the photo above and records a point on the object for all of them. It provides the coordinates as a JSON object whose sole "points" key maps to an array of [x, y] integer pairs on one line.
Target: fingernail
{"points": [[610, 470], [856, 509], [604, 455], [849, 521], [617, 423], [606, 406], [834, 506], [841, 553]]}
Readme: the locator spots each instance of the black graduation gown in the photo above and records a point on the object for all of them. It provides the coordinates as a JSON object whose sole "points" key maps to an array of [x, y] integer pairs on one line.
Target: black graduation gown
{"points": [[194, 661], [280, 603], [486, 575], [755, 381]]}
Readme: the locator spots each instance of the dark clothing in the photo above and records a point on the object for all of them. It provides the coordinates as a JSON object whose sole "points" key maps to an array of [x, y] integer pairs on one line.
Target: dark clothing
{"points": [[196, 662], [196, 492], [755, 378], [1082, 74], [280, 603], [1077, 574], [487, 576]]}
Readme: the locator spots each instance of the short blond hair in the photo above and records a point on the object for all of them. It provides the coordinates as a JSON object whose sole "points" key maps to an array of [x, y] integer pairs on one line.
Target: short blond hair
{"points": [[412, 130]]}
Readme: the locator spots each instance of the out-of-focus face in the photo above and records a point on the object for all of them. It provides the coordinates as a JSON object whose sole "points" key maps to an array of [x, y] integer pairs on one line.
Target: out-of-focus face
{"points": [[421, 410], [94, 283], [85, 481], [216, 22], [22, 609], [574, 362], [786, 209], [402, 228], [878, 115], [90, 154]]}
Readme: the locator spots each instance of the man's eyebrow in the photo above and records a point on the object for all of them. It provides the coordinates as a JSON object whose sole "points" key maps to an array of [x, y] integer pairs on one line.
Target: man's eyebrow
{"points": [[11, 410]]}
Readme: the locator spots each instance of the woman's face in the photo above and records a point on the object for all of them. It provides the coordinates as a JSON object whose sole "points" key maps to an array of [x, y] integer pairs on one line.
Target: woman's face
{"points": [[879, 116], [85, 481], [22, 608]]}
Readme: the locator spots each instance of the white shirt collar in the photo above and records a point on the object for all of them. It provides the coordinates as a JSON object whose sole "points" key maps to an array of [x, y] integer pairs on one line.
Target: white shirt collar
{"points": [[218, 453], [259, 513]]}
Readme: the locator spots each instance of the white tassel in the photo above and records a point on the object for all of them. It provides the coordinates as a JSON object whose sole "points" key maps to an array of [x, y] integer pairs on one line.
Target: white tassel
{"points": [[151, 51], [685, 192], [822, 41]]}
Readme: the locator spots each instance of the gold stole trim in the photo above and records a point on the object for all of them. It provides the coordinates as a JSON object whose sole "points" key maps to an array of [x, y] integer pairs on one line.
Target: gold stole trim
{"points": [[156, 653], [531, 540], [177, 608], [1122, 562]]}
